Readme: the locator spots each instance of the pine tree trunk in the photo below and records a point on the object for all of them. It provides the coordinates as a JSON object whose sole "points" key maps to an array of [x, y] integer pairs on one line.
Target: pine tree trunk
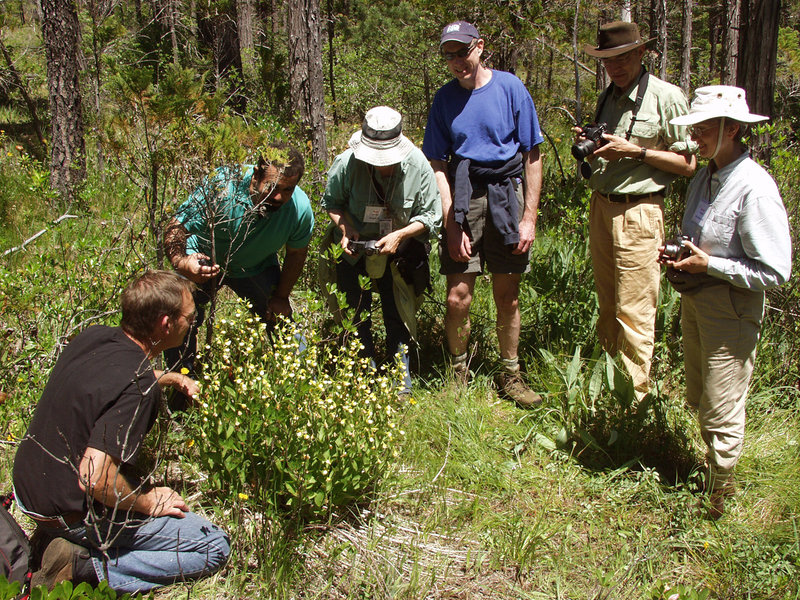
{"points": [[659, 27], [306, 86], [686, 54], [244, 21], [60, 29], [758, 55], [730, 42]]}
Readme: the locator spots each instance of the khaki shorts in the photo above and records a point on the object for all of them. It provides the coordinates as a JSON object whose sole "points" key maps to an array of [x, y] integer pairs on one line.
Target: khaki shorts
{"points": [[487, 243]]}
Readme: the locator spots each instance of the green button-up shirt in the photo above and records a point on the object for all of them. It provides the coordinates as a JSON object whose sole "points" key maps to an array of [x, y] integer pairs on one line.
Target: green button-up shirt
{"points": [[662, 102], [411, 191]]}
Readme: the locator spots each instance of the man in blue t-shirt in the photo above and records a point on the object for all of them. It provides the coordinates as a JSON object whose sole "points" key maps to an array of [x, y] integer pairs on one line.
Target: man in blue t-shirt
{"points": [[232, 228], [482, 141]]}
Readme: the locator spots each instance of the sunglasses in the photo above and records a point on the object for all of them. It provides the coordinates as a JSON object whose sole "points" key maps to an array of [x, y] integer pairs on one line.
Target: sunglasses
{"points": [[463, 53]]}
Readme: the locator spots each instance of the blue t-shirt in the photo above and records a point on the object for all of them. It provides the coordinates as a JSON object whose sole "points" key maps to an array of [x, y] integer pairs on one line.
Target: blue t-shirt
{"points": [[245, 243], [488, 125]]}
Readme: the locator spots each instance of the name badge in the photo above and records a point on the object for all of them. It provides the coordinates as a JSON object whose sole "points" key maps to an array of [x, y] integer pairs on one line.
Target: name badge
{"points": [[373, 214], [701, 213], [386, 227]]}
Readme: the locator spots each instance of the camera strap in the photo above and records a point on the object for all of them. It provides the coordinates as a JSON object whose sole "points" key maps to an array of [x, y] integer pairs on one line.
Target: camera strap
{"points": [[641, 89]]}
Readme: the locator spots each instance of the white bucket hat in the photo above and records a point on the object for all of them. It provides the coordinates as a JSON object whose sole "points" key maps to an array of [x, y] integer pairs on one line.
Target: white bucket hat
{"points": [[715, 101], [381, 142]]}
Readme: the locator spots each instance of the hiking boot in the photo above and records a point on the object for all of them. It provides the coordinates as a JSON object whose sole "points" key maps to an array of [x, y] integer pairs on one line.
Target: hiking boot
{"points": [[461, 375], [717, 498], [63, 561], [513, 387]]}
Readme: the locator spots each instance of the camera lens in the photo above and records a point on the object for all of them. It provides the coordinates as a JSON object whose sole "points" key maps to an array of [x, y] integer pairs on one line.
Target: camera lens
{"points": [[583, 148]]}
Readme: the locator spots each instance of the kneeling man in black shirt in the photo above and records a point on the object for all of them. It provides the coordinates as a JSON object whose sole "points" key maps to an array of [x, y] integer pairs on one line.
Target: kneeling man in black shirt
{"points": [[72, 469]]}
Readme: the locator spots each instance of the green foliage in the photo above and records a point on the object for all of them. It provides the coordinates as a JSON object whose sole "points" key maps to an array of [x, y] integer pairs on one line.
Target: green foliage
{"points": [[64, 591], [294, 433]]}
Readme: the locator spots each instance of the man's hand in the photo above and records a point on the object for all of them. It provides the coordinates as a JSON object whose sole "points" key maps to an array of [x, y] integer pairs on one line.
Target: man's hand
{"points": [[192, 268], [617, 147], [278, 305], [458, 243], [165, 502], [348, 233], [388, 244], [696, 262], [527, 233], [183, 383]]}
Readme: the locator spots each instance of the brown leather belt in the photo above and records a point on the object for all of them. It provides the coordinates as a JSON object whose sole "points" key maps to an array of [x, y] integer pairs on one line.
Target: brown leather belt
{"points": [[65, 521], [628, 198]]}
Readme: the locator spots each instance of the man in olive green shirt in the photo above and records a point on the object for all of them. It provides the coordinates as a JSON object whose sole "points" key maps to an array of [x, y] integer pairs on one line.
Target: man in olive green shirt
{"points": [[631, 171]]}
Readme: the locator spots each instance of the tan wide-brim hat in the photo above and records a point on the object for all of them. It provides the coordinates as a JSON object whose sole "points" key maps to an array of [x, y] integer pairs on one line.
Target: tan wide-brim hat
{"points": [[381, 142], [715, 101], [616, 38]]}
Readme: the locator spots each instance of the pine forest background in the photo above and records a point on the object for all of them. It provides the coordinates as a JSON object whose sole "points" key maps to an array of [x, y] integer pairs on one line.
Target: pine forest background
{"points": [[111, 112]]}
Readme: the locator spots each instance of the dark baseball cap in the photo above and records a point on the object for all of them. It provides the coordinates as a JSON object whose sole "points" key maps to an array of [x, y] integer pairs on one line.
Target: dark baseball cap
{"points": [[459, 31]]}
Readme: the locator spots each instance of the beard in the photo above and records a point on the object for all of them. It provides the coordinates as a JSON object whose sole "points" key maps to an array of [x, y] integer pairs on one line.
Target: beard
{"points": [[264, 209]]}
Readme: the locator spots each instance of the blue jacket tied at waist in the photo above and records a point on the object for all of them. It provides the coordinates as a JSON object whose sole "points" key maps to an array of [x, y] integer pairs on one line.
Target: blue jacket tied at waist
{"points": [[501, 195]]}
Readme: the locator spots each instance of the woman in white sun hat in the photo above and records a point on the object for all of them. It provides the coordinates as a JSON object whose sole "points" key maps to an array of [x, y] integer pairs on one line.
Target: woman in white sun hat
{"points": [[738, 246]]}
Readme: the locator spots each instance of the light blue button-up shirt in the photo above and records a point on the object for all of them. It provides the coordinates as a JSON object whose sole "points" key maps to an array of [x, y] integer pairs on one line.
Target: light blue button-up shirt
{"points": [[736, 216]]}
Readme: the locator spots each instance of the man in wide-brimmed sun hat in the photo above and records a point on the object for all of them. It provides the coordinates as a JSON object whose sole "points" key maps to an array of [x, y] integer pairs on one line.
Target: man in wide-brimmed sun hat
{"points": [[738, 246], [631, 171], [382, 191], [482, 139]]}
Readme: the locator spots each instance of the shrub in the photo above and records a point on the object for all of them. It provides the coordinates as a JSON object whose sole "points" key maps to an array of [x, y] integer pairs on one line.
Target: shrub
{"points": [[293, 432]]}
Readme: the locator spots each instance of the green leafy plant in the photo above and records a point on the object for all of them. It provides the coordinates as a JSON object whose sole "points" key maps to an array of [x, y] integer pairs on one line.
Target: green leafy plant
{"points": [[293, 426]]}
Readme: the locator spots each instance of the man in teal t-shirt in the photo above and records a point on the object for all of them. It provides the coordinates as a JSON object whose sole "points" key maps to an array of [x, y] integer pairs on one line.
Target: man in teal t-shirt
{"points": [[232, 227]]}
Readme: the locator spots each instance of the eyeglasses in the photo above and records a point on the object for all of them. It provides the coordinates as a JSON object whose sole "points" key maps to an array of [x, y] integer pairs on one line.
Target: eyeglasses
{"points": [[619, 59], [463, 53], [701, 131], [190, 317]]}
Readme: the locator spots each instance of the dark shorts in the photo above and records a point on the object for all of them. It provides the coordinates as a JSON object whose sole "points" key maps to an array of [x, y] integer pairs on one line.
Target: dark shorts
{"points": [[487, 243]]}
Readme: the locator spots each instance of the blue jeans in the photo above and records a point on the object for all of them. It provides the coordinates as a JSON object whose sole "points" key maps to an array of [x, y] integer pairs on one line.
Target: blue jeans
{"points": [[149, 552], [361, 300]]}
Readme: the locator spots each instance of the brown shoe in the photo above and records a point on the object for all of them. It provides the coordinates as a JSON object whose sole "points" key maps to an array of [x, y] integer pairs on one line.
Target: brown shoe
{"points": [[513, 387], [461, 375], [58, 563], [717, 497]]}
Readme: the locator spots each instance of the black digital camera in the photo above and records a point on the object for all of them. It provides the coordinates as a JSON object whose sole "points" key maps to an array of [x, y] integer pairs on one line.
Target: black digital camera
{"points": [[593, 139], [368, 247], [676, 248]]}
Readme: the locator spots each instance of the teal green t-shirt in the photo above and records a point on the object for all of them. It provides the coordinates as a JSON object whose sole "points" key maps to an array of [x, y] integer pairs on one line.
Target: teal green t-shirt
{"points": [[245, 243]]}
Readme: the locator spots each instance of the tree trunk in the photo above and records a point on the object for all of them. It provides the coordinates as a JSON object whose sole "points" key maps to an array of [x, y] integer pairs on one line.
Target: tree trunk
{"points": [[625, 11], [244, 21], [659, 27], [730, 42], [713, 37], [578, 112], [686, 50], [17, 80], [758, 55], [332, 61], [60, 29], [306, 86]]}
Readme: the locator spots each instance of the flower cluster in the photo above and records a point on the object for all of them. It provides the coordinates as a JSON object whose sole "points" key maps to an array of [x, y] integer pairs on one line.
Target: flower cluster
{"points": [[292, 422]]}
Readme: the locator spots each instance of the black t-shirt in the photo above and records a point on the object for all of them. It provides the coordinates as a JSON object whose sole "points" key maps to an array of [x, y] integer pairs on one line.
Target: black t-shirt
{"points": [[103, 394]]}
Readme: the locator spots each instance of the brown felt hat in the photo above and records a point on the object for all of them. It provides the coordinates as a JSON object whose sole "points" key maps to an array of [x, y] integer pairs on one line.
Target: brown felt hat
{"points": [[614, 39]]}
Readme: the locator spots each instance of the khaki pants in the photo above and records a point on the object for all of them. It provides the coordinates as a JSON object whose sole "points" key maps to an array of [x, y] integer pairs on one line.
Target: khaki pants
{"points": [[721, 325], [624, 240]]}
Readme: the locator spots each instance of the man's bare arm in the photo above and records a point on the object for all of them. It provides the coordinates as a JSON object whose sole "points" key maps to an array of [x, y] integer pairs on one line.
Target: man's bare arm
{"points": [[532, 166], [101, 479], [189, 266]]}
